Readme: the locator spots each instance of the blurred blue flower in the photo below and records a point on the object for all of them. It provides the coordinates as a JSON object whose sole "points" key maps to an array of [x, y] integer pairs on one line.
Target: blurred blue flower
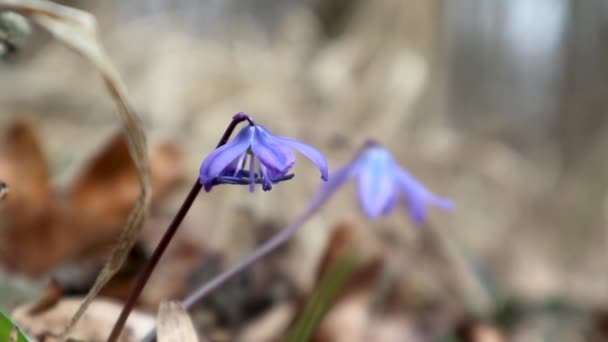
{"points": [[270, 155], [382, 183]]}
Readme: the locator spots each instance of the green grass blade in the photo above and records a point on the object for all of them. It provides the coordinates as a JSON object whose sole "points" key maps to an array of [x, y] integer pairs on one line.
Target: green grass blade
{"points": [[322, 299], [6, 328]]}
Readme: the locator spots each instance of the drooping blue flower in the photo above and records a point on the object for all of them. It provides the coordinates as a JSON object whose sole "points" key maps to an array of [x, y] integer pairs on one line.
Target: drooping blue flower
{"points": [[382, 184], [256, 156]]}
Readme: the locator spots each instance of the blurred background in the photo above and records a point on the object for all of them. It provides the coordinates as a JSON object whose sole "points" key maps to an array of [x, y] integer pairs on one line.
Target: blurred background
{"points": [[500, 105]]}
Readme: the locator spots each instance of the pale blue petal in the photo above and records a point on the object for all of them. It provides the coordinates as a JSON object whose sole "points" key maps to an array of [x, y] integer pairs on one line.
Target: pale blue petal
{"points": [[416, 208], [419, 197], [443, 203], [224, 155], [392, 202], [376, 182]]}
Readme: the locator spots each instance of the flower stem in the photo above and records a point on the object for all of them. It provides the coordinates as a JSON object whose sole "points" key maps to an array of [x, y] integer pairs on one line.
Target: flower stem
{"points": [[142, 279], [144, 276], [268, 247]]}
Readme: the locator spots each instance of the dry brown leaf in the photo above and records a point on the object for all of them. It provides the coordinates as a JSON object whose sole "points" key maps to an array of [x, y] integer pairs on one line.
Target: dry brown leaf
{"points": [[349, 235], [347, 321], [25, 168], [351, 317], [108, 187], [174, 324], [77, 29], [86, 222], [95, 324], [110, 175], [352, 321], [50, 298], [473, 330], [167, 168], [270, 326]]}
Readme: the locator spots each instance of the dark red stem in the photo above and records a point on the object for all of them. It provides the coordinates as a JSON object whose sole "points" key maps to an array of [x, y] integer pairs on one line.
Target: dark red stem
{"points": [[144, 276]]}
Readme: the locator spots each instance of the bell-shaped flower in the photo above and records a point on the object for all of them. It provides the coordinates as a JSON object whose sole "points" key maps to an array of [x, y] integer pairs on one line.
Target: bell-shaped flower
{"points": [[256, 156], [382, 184]]}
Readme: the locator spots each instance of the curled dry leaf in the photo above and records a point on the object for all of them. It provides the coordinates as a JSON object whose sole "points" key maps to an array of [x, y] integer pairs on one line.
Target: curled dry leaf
{"points": [[85, 222], [77, 29], [174, 324]]}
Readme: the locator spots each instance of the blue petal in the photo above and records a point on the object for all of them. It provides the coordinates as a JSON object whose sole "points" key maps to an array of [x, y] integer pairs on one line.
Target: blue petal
{"points": [[376, 183], [224, 155], [271, 153], [392, 202], [309, 152], [235, 167], [419, 197]]}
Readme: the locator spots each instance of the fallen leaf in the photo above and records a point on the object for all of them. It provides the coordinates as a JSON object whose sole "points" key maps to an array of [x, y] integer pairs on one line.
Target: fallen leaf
{"points": [[50, 298], [95, 324], [167, 169], [174, 324], [351, 235], [474, 330], [270, 326], [23, 165], [107, 188], [86, 222], [110, 175]]}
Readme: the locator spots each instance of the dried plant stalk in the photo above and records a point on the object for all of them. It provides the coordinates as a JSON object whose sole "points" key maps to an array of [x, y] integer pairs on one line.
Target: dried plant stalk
{"points": [[78, 30], [174, 324]]}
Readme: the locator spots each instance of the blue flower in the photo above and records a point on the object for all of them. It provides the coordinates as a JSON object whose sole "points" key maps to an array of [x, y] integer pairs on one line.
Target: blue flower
{"points": [[382, 184], [256, 156]]}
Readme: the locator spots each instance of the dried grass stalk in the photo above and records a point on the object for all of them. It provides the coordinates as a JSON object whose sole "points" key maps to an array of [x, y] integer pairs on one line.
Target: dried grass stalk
{"points": [[174, 324], [78, 30]]}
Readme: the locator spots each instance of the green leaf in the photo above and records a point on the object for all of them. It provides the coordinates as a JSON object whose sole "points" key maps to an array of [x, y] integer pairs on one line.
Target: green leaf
{"points": [[323, 298], [7, 326]]}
